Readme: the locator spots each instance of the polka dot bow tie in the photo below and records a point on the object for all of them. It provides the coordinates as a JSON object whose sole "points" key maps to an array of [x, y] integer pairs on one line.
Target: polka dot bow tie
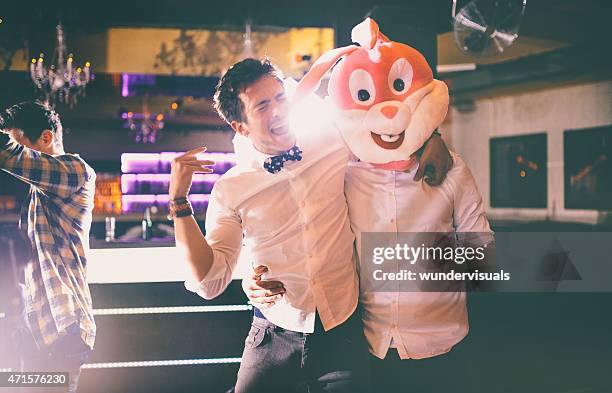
{"points": [[275, 164]]}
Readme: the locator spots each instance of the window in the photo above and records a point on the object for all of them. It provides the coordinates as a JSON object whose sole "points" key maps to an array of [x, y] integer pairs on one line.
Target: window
{"points": [[518, 171]]}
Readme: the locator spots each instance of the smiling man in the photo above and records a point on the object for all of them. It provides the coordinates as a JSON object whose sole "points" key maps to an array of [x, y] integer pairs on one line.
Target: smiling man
{"points": [[285, 200]]}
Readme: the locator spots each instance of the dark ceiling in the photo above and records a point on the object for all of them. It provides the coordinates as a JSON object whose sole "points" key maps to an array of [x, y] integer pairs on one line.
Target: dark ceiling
{"points": [[198, 13], [563, 20], [579, 23]]}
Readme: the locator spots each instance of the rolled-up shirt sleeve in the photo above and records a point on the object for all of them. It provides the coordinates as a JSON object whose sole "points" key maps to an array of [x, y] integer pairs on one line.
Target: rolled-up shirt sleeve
{"points": [[224, 235], [61, 175], [469, 216]]}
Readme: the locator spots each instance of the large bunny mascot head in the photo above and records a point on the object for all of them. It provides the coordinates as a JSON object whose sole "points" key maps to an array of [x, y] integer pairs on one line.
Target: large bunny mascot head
{"points": [[386, 102]]}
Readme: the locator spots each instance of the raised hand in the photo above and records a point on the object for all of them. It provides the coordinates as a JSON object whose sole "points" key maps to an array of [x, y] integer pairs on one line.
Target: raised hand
{"points": [[183, 168]]}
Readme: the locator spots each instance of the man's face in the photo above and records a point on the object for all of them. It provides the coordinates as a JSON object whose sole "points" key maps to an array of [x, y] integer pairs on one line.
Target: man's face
{"points": [[267, 116]]}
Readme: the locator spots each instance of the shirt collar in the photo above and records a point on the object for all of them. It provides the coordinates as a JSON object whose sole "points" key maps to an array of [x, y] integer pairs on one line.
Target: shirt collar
{"points": [[247, 154]]}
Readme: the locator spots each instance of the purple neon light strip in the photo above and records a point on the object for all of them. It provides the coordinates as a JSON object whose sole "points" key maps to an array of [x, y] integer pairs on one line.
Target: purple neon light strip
{"points": [[130, 161], [168, 156], [128, 180], [150, 198], [125, 182], [138, 198], [128, 158], [194, 198], [128, 200], [165, 177], [125, 86]]}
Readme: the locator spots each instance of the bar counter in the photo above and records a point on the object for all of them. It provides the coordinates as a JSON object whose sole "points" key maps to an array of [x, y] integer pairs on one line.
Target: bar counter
{"points": [[139, 261]]}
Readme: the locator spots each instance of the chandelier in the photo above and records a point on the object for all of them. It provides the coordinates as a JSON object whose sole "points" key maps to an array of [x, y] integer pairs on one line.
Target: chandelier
{"points": [[248, 41], [144, 126], [61, 80]]}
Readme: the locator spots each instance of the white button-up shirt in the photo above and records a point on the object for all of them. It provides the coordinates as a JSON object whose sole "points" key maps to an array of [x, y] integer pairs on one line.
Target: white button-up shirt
{"points": [[295, 222], [418, 324]]}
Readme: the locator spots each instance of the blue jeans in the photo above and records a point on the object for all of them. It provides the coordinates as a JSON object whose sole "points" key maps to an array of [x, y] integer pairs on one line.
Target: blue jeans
{"points": [[280, 360], [67, 354]]}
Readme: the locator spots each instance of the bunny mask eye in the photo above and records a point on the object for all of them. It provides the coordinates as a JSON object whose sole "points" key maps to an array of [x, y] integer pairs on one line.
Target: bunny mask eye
{"points": [[361, 86], [400, 76]]}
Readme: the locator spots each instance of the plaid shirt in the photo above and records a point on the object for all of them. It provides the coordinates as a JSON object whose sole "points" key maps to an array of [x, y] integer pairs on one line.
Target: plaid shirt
{"points": [[58, 217]]}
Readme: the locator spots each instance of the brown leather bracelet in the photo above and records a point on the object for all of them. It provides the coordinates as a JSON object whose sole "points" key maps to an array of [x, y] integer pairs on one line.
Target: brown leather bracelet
{"points": [[180, 207], [178, 201]]}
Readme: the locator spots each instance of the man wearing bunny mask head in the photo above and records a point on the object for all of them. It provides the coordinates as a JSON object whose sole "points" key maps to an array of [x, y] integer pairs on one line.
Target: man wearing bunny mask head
{"points": [[285, 200], [386, 105]]}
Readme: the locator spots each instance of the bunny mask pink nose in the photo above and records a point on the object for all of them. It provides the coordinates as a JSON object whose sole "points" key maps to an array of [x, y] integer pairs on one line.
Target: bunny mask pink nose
{"points": [[389, 111]]}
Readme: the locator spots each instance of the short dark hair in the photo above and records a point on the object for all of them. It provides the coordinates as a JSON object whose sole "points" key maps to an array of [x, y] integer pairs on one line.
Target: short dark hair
{"points": [[239, 77], [32, 117]]}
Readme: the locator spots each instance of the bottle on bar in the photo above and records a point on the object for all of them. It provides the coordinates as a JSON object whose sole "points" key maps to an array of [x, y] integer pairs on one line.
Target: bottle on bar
{"points": [[110, 229], [147, 225]]}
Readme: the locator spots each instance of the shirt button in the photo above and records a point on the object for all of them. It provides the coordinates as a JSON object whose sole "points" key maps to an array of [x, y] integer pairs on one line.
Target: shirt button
{"points": [[392, 220]]}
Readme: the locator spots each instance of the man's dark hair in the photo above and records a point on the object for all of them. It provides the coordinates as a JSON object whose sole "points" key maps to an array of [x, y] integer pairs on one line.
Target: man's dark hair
{"points": [[239, 77], [32, 117]]}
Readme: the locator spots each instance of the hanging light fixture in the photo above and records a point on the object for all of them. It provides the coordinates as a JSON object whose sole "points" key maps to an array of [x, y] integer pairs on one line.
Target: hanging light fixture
{"points": [[144, 126], [60, 80], [248, 41]]}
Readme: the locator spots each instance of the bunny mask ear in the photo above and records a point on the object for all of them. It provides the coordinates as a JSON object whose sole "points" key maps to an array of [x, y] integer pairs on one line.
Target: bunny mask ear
{"points": [[367, 34], [311, 81]]}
